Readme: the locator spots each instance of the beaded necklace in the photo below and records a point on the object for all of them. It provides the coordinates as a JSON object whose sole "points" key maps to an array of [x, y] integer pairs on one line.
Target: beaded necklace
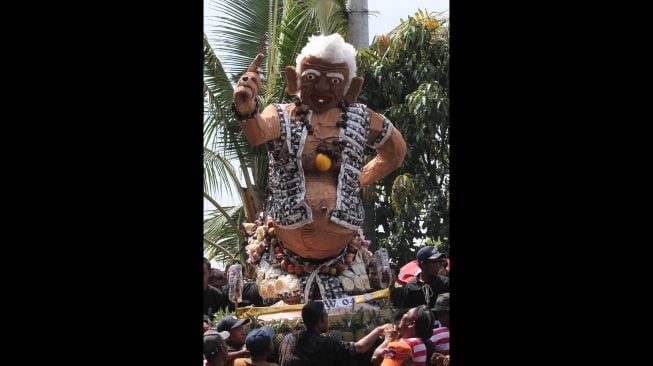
{"points": [[323, 150]]}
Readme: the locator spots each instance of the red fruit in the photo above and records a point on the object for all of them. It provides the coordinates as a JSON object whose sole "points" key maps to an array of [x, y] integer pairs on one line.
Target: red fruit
{"points": [[274, 241], [277, 250], [290, 268], [299, 269], [352, 249], [340, 267], [348, 260], [279, 256], [324, 269], [310, 267], [284, 264]]}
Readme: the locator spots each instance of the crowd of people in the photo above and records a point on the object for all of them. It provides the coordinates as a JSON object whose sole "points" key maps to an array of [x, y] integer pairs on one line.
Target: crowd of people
{"points": [[418, 335]]}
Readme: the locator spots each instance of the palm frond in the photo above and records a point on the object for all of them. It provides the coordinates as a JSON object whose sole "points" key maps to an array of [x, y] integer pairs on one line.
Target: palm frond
{"points": [[224, 239], [218, 86], [331, 16], [223, 133], [221, 237], [219, 174], [225, 215], [219, 250], [240, 30], [274, 76]]}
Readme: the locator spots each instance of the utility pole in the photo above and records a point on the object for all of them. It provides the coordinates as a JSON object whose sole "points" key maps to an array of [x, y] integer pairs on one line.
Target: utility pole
{"points": [[357, 28]]}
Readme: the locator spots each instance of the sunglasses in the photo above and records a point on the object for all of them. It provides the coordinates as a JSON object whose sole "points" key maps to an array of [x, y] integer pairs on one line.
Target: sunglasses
{"points": [[390, 352]]}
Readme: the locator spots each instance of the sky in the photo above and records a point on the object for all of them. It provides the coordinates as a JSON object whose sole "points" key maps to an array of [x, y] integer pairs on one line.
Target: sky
{"points": [[385, 14], [390, 11]]}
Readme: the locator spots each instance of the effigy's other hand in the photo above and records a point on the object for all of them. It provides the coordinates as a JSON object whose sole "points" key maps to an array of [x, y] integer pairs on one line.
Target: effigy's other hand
{"points": [[248, 86]]}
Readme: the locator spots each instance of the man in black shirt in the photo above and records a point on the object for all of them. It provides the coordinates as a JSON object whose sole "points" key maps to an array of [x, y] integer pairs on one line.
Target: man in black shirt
{"points": [[314, 349], [214, 299], [427, 285]]}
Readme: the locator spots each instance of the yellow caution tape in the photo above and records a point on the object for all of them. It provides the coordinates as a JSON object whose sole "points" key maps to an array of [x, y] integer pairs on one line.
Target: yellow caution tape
{"points": [[252, 311]]}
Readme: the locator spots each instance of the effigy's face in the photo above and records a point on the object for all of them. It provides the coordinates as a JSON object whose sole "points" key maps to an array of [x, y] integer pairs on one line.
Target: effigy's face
{"points": [[322, 83]]}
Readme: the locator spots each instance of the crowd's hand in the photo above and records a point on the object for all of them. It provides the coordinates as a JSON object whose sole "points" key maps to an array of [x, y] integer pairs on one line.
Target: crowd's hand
{"points": [[390, 332], [445, 362], [244, 351], [439, 359], [292, 300], [247, 87]]}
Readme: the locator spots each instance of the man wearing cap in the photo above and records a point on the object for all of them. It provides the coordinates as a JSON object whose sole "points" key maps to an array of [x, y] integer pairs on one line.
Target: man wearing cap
{"points": [[314, 349], [236, 342], [259, 343], [427, 284], [215, 349]]}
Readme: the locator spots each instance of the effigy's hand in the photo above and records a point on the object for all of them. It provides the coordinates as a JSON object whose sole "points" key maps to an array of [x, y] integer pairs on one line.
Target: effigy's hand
{"points": [[247, 87]]}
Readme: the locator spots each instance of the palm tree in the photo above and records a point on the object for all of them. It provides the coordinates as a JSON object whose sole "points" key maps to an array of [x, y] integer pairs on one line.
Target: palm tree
{"points": [[279, 29]]}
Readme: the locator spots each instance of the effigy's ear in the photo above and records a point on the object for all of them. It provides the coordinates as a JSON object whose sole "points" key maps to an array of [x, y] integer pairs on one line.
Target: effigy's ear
{"points": [[291, 80], [354, 89]]}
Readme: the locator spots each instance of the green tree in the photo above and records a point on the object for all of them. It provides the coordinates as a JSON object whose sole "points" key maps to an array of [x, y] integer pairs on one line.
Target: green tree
{"points": [[279, 29], [407, 78]]}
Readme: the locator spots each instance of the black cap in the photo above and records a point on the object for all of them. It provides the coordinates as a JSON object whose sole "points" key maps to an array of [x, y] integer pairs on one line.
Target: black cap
{"points": [[231, 322], [213, 340], [428, 252]]}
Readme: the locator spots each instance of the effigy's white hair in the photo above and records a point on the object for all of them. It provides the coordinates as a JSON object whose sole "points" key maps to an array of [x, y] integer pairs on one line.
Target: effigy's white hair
{"points": [[332, 48]]}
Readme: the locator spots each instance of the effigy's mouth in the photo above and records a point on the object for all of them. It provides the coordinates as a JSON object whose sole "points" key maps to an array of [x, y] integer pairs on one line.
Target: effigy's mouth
{"points": [[321, 99]]}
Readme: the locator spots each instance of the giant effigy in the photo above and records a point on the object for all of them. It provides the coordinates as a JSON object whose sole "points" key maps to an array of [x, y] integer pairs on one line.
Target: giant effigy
{"points": [[308, 243]]}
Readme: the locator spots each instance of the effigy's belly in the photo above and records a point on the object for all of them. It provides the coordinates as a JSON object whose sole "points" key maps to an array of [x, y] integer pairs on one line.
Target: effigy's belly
{"points": [[322, 238]]}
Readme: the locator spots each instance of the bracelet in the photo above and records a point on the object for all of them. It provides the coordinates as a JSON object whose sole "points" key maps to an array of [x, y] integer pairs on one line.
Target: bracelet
{"points": [[240, 117]]}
